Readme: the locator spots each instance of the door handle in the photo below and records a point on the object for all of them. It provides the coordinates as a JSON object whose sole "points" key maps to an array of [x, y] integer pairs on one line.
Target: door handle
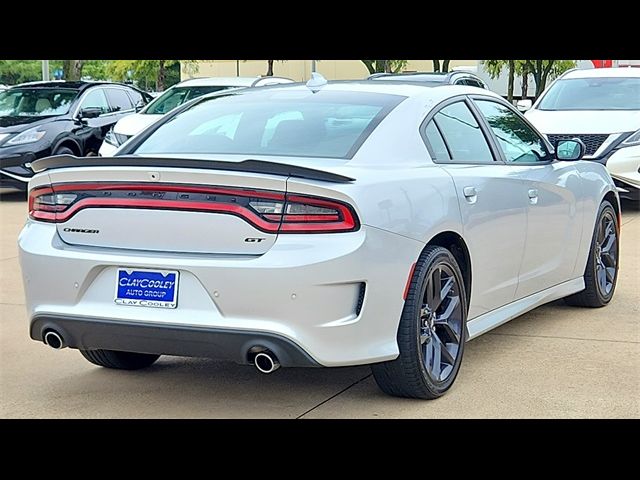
{"points": [[533, 196], [469, 192]]}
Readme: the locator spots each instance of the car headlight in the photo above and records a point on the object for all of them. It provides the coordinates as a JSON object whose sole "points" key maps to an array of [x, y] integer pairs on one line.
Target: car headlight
{"points": [[631, 140], [111, 139], [28, 136]]}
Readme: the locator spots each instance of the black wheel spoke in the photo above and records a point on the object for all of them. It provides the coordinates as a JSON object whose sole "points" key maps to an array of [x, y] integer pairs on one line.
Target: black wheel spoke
{"points": [[445, 355], [447, 332], [451, 306], [608, 242], [436, 290], [437, 357]]}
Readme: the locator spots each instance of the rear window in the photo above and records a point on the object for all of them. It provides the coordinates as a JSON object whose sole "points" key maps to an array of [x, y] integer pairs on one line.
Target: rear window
{"points": [[330, 124]]}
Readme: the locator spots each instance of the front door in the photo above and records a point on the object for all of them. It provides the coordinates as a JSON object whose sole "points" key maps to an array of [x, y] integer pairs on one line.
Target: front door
{"points": [[553, 219], [493, 204]]}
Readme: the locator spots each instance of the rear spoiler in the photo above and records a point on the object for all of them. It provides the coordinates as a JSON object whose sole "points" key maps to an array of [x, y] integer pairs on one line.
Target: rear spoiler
{"points": [[252, 166]]}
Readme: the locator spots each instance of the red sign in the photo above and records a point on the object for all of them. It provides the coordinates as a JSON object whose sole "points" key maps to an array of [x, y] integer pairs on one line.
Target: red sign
{"points": [[602, 63]]}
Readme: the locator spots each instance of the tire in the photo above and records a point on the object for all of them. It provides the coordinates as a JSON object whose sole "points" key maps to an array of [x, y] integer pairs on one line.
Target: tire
{"points": [[602, 261], [64, 151], [422, 334], [119, 360]]}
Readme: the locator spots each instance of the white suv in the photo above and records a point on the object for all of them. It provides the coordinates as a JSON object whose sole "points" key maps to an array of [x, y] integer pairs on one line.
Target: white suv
{"points": [[170, 99], [601, 107]]}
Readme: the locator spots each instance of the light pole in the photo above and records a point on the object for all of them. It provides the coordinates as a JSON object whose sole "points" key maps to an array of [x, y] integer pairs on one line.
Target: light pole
{"points": [[45, 70]]}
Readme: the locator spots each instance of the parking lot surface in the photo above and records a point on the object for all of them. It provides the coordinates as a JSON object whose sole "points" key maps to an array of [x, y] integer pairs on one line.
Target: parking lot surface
{"points": [[554, 362]]}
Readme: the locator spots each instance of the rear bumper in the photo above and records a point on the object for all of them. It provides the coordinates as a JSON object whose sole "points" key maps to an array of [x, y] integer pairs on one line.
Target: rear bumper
{"points": [[338, 297], [90, 333]]}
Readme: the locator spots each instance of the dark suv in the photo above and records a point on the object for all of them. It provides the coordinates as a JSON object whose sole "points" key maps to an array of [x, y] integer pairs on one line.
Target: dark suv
{"points": [[52, 118], [432, 79]]}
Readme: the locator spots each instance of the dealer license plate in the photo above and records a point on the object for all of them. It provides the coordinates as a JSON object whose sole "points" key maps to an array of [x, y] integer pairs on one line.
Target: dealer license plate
{"points": [[147, 288]]}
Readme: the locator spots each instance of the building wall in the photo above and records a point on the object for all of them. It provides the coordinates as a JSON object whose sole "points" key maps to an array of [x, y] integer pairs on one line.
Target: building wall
{"points": [[300, 70]]}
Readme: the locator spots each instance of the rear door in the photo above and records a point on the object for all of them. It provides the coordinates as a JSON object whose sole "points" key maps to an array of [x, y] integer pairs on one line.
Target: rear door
{"points": [[553, 217], [492, 202]]}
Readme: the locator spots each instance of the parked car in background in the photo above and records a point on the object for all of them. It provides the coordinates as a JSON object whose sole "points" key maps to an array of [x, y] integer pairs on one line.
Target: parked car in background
{"points": [[53, 118], [326, 224], [432, 78], [3, 87], [601, 107], [173, 97]]}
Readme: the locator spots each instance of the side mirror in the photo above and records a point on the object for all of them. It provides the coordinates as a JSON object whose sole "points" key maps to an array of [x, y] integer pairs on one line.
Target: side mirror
{"points": [[139, 105], [570, 150], [90, 112], [524, 105]]}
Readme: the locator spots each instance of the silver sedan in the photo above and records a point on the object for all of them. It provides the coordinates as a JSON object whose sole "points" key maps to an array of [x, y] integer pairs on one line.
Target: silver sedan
{"points": [[317, 225]]}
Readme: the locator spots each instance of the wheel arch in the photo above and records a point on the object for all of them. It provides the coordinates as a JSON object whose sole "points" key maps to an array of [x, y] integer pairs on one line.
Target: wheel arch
{"points": [[612, 198], [453, 242], [69, 143]]}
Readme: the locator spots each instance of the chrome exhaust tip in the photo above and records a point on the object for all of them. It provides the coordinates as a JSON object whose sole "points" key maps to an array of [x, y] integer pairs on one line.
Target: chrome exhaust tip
{"points": [[266, 362], [54, 340]]}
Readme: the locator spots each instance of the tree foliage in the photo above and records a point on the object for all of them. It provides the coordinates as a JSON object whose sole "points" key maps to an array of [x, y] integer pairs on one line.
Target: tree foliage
{"points": [[148, 74], [541, 70], [441, 67], [384, 66]]}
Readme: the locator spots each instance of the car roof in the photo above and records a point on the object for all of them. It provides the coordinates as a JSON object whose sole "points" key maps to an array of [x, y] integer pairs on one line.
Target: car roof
{"points": [[74, 85], [231, 81], [628, 72], [418, 91]]}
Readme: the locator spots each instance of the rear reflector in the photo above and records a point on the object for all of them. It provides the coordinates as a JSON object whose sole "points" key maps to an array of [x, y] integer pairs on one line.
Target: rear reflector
{"points": [[408, 285], [268, 211]]}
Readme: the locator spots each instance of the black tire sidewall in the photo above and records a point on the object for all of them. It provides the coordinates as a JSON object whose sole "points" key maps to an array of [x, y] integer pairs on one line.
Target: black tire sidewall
{"points": [[63, 151]]}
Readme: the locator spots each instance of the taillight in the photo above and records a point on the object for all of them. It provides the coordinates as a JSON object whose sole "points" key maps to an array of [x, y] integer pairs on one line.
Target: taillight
{"points": [[272, 212]]}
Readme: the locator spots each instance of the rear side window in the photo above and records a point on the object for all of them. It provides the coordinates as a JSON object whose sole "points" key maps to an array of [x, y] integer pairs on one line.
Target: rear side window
{"points": [[300, 123], [436, 141], [118, 99], [465, 141], [136, 97], [96, 99]]}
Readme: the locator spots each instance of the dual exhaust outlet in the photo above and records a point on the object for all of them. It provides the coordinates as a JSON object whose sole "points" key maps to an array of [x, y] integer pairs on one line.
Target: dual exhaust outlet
{"points": [[265, 360]]}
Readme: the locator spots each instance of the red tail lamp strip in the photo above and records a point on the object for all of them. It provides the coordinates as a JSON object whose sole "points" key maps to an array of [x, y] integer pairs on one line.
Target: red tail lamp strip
{"points": [[343, 220]]}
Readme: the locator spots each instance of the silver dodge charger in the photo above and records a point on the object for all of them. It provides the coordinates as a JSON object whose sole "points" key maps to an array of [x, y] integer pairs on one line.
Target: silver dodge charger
{"points": [[317, 225]]}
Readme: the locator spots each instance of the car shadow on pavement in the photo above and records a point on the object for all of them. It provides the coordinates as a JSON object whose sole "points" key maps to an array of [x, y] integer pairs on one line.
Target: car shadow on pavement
{"points": [[13, 197], [177, 387]]}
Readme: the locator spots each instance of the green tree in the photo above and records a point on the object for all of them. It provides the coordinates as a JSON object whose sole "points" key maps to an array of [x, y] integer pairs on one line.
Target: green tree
{"points": [[438, 67], [386, 66], [161, 73], [13, 72], [72, 69], [543, 70], [494, 69]]}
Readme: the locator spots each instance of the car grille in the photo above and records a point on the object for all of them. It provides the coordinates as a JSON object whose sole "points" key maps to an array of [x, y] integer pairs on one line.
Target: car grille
{"points": [[591, 140]]}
